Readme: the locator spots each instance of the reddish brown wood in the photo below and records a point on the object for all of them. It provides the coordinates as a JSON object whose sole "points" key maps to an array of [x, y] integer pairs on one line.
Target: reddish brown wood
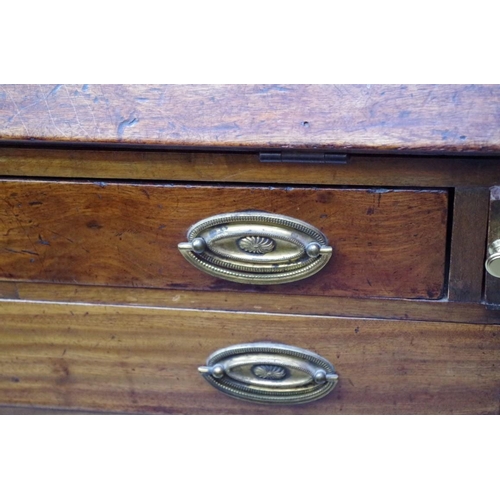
{"points": [[370, 118], [142, 360], [87, 245], [387, 243], [397, 309], [368, 170]]}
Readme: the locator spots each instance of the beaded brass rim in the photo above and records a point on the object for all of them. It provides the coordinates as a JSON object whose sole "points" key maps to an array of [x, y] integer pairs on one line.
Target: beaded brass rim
{"points": [[266, 372], [256, 247]]}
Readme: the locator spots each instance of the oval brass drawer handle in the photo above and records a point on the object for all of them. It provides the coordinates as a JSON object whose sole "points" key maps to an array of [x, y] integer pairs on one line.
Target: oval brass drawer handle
{"points": [[256, 247], [266, 372]]}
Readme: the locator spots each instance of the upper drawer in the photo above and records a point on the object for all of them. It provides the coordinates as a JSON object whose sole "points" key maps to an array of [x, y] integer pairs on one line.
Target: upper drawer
{"points": [[386, 243]]}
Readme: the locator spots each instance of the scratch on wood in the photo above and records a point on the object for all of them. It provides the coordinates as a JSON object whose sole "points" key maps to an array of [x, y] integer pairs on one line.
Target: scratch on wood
{"points": [[273, 88], [76, 113], [21, 251], [54, 90], [42, 241], [18, 113], [126, 123], [60, 235]]}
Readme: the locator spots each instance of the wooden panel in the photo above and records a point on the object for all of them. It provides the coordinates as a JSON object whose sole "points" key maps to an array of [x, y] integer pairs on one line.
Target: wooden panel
{"points": [[239, 167], [387, 243], [422, 310], [470, 221], [439, 118], [129, 359]]}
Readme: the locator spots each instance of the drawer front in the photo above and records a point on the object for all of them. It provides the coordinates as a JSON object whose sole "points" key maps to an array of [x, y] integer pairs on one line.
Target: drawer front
{"points": [[131, 359], [386, 243]]}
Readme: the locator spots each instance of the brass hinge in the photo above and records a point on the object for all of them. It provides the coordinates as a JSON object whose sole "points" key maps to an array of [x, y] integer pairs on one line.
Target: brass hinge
{"points": [[302, 157]]}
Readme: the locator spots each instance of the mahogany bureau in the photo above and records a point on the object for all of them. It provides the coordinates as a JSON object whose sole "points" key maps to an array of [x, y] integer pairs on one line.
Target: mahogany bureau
{"points": [[351, 221]]}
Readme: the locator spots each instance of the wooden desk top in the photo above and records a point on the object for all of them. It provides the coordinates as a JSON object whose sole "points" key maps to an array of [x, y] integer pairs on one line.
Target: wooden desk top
{"points": [[435, 119]]}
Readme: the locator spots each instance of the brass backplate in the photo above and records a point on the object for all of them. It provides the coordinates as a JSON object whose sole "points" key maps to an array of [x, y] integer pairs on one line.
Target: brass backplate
{"points": [[256, 247]]}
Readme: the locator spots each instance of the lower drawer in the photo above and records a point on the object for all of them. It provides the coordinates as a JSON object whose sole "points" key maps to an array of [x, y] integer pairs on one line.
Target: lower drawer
{"points": [[144, 360]]}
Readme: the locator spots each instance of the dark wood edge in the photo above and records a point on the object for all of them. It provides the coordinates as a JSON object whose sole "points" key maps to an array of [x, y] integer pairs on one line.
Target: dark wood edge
{"points": [[40, 410], [468, 240], [394, 171], [392, 309]]}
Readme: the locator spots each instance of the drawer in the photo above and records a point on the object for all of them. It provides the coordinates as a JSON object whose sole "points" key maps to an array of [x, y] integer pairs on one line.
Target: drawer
{"points": [[145, 360], [101, 312], [388, 243]]}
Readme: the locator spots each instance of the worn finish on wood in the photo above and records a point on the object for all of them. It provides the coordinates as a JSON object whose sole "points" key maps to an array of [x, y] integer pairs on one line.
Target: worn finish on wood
{"points": [[371, 118], [387, 243], [421, 310], [129, 359], [239, 167], [470, 220]]}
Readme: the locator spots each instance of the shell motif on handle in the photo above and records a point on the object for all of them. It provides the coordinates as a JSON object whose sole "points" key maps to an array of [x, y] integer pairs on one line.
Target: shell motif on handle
{"points": [[256, 248], [266, 372]]}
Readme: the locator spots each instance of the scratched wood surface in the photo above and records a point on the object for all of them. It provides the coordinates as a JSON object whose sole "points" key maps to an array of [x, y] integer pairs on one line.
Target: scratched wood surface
{"points": [[140, 360], [360, 170], [387, 243], [370, 118]]}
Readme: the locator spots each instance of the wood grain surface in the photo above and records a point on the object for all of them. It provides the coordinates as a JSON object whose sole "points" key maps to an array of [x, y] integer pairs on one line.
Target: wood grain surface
{"points": [[367, 170], [369, 118], [404, 309], [387, 243], [141, 360], [468, 241]]}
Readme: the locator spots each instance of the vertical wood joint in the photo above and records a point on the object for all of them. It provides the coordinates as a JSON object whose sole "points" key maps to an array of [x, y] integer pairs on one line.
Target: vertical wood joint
{"points": [[468, 243]]}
